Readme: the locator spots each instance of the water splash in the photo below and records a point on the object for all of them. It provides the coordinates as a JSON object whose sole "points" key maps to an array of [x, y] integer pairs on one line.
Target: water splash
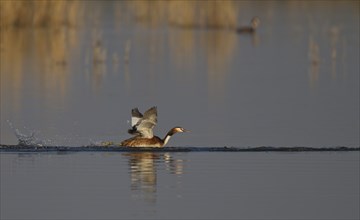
{"points": [[30, 139], [94, 142], [101, 143]]}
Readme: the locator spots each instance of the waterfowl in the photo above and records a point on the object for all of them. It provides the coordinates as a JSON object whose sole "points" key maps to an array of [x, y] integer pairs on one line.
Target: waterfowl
{"points": [[255, 21], [142, 128]]}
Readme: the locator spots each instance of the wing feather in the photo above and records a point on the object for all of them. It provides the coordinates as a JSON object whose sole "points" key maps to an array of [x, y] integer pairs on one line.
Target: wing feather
{"points": [[144, 125], [135, 116]]}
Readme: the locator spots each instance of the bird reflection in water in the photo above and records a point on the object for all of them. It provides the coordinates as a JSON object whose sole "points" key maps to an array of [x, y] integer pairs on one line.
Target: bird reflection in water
{"points": [[143, 167]]}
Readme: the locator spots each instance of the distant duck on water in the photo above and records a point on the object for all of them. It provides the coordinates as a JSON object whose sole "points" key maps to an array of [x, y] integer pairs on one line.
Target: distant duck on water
{"points": [[142, 128], [255, 21]]}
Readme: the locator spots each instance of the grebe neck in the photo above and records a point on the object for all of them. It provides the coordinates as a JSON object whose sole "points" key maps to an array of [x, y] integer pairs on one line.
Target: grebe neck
{"points": [[168, 136], [166, 139]]}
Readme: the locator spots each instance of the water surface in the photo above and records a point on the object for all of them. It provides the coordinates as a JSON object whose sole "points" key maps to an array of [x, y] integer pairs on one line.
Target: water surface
{"points": [[196, 185]]}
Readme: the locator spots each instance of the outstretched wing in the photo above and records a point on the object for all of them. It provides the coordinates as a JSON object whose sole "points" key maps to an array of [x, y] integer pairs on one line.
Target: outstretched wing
{"points": [[145, 124], [135, 116]]}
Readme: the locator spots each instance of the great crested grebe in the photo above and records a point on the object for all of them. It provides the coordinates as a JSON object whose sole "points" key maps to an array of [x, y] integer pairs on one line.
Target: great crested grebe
{"points": [[255, 21], [142, 128]]}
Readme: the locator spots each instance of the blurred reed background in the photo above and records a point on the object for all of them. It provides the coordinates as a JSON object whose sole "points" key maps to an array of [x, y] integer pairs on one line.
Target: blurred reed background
{"points": [[60, 28], [40, 13], [45, 31], [56, 28], [216, 13], [61, 51]]}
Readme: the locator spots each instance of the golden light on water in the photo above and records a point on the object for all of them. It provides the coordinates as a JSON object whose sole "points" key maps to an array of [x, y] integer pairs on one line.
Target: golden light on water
{"points": [[144, 168], [75, 54], [57, 32], [51, 33]]}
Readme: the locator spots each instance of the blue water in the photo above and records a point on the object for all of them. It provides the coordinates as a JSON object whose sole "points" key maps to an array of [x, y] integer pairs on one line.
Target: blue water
{"points": [[195, 185]]}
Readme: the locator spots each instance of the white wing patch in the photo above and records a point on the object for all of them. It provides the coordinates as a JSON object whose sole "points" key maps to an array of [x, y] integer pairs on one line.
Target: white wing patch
{"points": [[134, 120], [135, 116], [143, 124]]}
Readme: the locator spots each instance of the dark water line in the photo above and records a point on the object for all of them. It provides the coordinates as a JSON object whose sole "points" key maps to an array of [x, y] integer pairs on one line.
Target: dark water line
{"points": [[20, 148]]}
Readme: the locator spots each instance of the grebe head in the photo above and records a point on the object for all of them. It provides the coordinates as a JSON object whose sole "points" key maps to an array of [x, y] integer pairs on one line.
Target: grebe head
{"points": [[255, 22], [179, 129]]}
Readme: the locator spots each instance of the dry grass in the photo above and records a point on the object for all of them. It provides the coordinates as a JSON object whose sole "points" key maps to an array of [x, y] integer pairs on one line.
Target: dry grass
{"points": [[41, 13], [182, 13], [56, 44], [196, 13]]}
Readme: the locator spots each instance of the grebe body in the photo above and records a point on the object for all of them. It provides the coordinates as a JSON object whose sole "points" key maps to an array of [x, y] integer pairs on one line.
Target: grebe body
{"points": [[142, 126], [249, 29]]}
